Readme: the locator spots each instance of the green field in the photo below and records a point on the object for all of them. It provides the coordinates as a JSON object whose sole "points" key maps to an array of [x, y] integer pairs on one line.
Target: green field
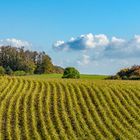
{"points": [[82, 76], [34, 108]]}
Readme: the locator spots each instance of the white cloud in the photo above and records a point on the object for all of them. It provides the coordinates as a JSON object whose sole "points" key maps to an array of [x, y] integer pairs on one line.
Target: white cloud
{"points": [[14, 42], [82, 42], [88, 40], [101, 40], [100, 46], [137, 38], [117, 42], [84, 60]]}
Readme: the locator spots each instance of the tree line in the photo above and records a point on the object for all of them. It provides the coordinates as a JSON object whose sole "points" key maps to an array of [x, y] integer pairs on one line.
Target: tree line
{"points": [[13, 59], [132, 73]]}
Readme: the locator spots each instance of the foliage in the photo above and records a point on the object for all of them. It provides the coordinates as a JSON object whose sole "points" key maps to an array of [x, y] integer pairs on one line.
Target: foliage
{"points": [[44, 64], [29, 67], [59, 69], [113, 77], [2, 70], [8, 70], [71, 72], [47, 66], [132, 73], [19, 73], [29, 61]]}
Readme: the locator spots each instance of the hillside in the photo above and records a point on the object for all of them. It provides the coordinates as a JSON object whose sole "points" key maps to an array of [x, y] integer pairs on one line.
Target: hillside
{"points": [[32, 108]]}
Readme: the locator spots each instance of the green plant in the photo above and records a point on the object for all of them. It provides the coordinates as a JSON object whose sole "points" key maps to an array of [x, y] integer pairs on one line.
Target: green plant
{"points": [[2, 70], [71, 72], [132, 73], [20, 73], [9, 71]]}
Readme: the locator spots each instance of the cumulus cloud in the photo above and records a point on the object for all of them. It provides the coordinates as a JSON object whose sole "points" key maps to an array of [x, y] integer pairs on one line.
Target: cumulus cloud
{"points": [[120, 48], [84, 60], [82, 42], [100, 46], [14, 42]]}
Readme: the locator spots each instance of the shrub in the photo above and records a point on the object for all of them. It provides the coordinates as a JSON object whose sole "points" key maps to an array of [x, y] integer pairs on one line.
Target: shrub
{"points": [[9, 71], [132, 73], [124, 72], [113, 77], [125, 77], [2, 70], [134, 77], [20, 73], [71, 72]]}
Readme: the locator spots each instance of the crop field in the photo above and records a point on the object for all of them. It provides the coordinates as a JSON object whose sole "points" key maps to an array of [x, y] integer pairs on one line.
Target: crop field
{"points": [[53, 109]]}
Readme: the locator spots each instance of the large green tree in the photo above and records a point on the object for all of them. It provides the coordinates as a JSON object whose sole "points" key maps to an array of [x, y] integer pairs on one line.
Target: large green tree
{"points": [[19, 59], [44, 64]]}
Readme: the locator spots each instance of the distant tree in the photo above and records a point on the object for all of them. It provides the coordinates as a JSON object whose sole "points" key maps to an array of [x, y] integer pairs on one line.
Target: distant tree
{"points": [[19, 59], [2, 70], [9, 71], [47, 65], [113, 77], [58, 69], [71, 72], [28, 67], [132, 73], [19, 73], [44, 64]]}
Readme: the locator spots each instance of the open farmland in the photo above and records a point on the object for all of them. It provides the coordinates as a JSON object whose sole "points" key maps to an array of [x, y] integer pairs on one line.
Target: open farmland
{"points": [[32, 108], [82, 76]]}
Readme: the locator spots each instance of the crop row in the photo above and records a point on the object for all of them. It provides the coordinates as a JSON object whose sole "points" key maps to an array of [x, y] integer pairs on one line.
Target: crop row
{"points": [[69, 109]]}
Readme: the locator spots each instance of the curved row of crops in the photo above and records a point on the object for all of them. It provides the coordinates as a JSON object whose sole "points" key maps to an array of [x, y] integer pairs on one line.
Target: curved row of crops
{"points": [[69, 109]]}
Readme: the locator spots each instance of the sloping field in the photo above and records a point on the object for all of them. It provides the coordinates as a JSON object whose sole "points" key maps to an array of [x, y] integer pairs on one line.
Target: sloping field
{"points": [[69, 109]]}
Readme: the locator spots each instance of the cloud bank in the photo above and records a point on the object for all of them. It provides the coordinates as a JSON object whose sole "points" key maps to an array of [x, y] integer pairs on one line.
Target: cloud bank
{"points": [[100, 47], [82, 42], [14, 42]]}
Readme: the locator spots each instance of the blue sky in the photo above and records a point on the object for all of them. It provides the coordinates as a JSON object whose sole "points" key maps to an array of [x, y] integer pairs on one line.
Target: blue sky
{"points": [[95, 36]]}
